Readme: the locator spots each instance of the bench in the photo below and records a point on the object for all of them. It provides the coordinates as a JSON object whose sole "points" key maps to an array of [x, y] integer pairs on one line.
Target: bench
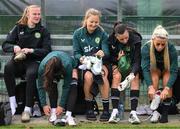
{"points": [[68, 48]]}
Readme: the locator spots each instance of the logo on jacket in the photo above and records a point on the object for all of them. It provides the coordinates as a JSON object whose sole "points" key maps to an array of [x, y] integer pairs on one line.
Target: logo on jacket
{"points": [[21, 33], [37, 35], [82, 40], [113, 47], [97, 40]]}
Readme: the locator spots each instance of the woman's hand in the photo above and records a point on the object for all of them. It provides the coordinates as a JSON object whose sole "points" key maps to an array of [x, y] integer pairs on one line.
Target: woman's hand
{"points": [[151, 92], [81, 59], [120, 54], [100, 53], [59, 110], [17, 49], [164, 93], [47, 110], [27, 50]]}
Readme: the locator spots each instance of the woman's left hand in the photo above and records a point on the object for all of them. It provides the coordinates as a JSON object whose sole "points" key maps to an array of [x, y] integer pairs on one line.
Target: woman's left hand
{"points": [[100, 53], [47, 110], [164, 93], [27, 50], [59, 110], [120, 54]]}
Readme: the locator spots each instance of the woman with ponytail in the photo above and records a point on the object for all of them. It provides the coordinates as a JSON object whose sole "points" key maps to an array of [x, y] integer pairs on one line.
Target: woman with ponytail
{"points": [[29, 42], [91, 40], [55, 66], [159, 61], [125, 46]]}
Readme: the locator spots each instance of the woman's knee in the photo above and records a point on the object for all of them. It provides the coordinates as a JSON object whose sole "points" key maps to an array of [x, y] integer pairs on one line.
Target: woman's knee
{"points": [[88, 76], [116, 75], [155, 74], [135, 83], [105, 71]]}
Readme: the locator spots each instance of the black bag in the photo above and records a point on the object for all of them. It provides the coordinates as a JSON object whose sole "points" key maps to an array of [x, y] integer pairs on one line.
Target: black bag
{"points": [[5, 113], [173, 108], [80, 106], [176, 87]]}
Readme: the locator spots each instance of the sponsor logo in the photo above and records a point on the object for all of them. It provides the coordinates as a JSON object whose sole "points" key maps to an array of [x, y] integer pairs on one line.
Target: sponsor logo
{"points": [[88, 49]]}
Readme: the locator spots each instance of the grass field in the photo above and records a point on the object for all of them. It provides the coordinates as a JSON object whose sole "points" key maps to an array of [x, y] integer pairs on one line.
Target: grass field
{"points": [[96, 126], [42, 123]]}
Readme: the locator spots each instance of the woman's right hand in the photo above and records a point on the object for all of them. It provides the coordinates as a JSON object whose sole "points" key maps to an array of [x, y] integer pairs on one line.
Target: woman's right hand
{"points": [[120, 54], [81, 59], [17, 49], [47, 110], [100, 53], [151, 92]]}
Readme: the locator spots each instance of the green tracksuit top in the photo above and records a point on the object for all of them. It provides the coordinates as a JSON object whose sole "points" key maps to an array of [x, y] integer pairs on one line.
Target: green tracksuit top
{"points": [[88, 44], [145, 63], [68, 64]]}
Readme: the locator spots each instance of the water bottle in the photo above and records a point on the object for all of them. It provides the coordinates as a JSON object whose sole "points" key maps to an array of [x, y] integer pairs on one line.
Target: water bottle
{"points": [[121, 111], [156, 101]]}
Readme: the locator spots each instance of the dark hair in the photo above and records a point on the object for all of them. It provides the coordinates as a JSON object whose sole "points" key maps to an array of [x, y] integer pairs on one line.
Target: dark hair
{"points": [[119, 28], [54, 71]]}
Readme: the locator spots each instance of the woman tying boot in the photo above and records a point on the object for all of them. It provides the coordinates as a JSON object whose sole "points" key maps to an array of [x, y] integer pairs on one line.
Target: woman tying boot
{"points": [[159, 61]]}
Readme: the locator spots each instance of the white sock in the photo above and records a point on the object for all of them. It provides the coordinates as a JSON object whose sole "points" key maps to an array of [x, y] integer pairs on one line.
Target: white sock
{"points": [[27, 109], [115, 111], [13, 104], [53, 116], [68, 113], [53, 110]]}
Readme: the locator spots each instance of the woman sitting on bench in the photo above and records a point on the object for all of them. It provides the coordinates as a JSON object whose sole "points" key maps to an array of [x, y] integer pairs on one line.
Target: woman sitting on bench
{"points": [[159, 61]]}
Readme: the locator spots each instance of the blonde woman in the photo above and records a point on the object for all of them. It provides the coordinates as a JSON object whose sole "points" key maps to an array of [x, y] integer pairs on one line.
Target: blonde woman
{"points": [[91, 40], [159, 61], [33, 42]]}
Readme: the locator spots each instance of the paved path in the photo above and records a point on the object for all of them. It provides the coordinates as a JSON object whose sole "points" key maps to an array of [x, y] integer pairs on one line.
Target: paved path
{"points": [[173, 119]]}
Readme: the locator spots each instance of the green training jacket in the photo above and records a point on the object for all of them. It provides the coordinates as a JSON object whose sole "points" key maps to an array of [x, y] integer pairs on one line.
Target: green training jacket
{"points": [[145, 63], [88, 44], [68, 64]]}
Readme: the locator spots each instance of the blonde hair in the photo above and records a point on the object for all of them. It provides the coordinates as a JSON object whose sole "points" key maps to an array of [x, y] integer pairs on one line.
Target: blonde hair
{"points": [[159, 32], [24, 18], [88, 13]]}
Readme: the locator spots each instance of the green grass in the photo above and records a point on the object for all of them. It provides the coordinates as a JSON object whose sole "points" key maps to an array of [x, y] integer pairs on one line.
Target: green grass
{"points": [[96, 126]]}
